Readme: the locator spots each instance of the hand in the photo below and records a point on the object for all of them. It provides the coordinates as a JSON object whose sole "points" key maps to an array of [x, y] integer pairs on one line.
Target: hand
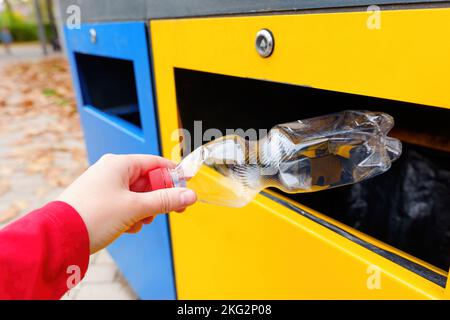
{"points": [[112, 196]]}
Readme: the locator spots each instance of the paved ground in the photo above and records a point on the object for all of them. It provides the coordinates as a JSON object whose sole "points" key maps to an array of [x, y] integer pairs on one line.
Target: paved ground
{"points": [[21, 52], [42, 150], [102, 281]]}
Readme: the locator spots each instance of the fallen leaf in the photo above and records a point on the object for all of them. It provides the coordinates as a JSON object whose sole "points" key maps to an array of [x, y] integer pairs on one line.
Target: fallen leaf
{"points": [[13, 211], [38, 108], [9, 214], [5, 186], [42, 191]]}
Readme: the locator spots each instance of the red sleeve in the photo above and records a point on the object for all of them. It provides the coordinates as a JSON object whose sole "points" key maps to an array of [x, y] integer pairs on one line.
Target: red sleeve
{"points": [[42, 253]]}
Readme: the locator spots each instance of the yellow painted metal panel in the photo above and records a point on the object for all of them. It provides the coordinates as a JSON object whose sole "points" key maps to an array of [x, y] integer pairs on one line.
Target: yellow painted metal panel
{"points": [[406, 59], [266, 250]]}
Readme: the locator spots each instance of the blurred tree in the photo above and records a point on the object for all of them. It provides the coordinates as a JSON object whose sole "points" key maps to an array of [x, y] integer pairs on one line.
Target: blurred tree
{"points": [[52, 25], [21, 17], [7, 15], [21, 28]]}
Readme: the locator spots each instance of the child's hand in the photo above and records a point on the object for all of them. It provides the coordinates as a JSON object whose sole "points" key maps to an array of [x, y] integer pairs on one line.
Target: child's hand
{"points": [[112, 198]]}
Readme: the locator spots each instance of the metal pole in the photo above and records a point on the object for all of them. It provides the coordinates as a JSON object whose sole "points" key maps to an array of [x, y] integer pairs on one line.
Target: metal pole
{"points": [[41, 29], [51, 18]]}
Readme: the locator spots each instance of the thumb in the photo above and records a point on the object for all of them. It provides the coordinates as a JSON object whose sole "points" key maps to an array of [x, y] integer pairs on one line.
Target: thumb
{"points": [[165, 200]]}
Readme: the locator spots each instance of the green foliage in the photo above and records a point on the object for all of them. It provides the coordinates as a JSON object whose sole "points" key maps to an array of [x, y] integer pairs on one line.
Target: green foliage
{"points": [[49, 92], [25, 32], [20, 29]]}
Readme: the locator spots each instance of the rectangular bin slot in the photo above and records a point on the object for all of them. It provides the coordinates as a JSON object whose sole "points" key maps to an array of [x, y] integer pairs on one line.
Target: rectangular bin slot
{"points": [[408, 207], [109, 85]]}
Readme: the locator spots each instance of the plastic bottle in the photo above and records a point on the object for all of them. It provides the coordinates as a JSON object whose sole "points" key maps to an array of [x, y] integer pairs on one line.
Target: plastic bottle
{"points": [[303, 156]]}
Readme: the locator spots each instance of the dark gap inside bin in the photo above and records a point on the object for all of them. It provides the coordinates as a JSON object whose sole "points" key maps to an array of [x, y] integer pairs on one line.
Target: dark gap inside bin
{"points": [[109, 85], [408, 207]]}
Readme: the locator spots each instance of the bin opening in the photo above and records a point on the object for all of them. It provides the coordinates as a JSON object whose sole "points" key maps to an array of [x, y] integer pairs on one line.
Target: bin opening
{"points": [[408, 207], [109, 85]]}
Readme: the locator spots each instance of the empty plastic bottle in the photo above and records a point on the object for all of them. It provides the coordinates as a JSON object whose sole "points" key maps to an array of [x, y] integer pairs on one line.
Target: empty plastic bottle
{"points": [[303, 156]]}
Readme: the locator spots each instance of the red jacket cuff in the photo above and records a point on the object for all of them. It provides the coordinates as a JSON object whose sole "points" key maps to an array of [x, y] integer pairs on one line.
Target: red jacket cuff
{"points": [[74, 236], [44, 254]]}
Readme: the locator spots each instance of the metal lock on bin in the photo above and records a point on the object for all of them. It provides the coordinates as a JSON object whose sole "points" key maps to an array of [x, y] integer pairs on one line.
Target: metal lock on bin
{"points": [[264, 43], [93, 35]]}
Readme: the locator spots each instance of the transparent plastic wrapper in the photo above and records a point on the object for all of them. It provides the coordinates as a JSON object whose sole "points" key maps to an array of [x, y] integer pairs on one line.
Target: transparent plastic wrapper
{"points": [[302, 156]]}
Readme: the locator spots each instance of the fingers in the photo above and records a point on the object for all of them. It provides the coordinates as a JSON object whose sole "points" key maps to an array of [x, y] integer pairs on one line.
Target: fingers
{"points": [[138, 225], [147, 162], [148, 220], [141, 184], [135, 228], [163, 201], [144, 162], [138, 166]]}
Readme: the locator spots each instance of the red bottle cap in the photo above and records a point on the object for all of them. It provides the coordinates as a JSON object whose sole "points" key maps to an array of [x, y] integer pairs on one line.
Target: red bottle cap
{"points": [[160, 179]]}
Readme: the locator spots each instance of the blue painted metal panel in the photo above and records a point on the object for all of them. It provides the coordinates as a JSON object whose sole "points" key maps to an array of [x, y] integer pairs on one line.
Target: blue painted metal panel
{"points": [[145, 259]]}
